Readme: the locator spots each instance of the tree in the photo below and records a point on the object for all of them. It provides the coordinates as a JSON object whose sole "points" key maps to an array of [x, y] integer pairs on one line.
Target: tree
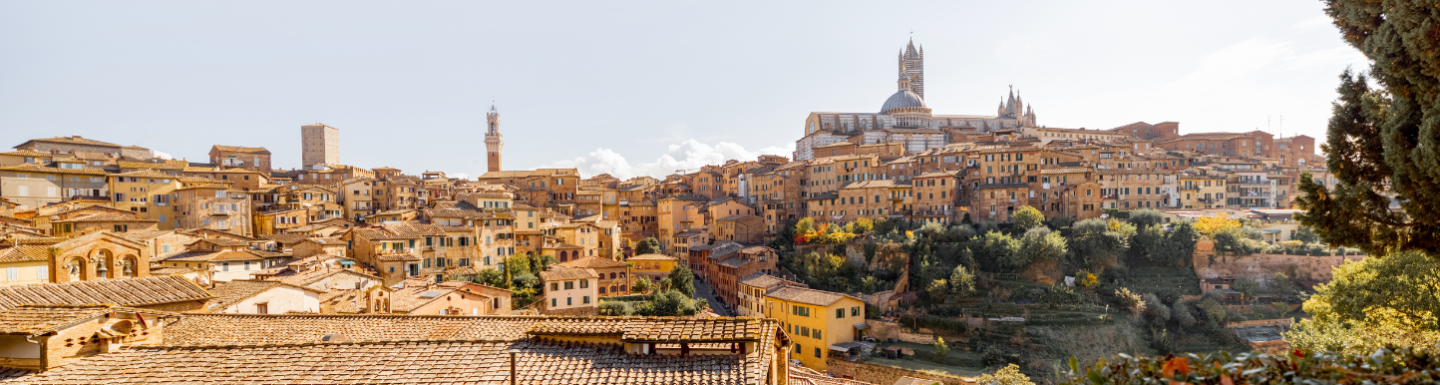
{"points": [[1009, 375], [1378, 301], [1146, 217], [492, 277], [1246, 286], [1094, 244], [649, 245], [641, 285], [860, 226], [683, 280], [1305, 235], [1027, 218], [962, 282], [1208, 226], [667, 303], [1002, 250], [1381, 144], [1180, 243], [1148, 244], [1041, 244], [937, 290]]}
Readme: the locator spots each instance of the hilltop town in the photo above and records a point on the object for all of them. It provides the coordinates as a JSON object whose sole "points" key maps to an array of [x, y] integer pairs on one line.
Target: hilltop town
{"points": [[898, 245]]}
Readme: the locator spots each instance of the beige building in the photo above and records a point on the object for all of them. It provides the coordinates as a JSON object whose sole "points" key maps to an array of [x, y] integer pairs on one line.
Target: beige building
{"points": [[570, 291], [254, 158], [319, 144]]}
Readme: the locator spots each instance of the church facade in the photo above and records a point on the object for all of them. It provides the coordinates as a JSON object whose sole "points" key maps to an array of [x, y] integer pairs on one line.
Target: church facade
{"points": [[904, 118]]}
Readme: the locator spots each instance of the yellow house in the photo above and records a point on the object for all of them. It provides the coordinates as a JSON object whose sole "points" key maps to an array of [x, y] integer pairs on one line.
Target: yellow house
{"points": [[148, 193], [652, 265], [815, 319], [1199, 192], [24, 265]]}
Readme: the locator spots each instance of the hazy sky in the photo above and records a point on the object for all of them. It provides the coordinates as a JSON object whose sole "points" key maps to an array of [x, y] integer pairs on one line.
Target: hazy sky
{"points": [[635, 88]]}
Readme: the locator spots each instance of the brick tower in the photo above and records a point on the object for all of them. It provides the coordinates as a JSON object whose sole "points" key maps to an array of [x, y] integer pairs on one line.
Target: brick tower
{"points": [[493, 140]]}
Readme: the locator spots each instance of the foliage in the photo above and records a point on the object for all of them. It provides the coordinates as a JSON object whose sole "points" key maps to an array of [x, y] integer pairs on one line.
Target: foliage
{"points": [[1381, 143], [1305, 235], [1041, 244], [1180, 243], [860, 226], [517, 265], [1086, 279], [615, 308], [1093, 243], [1130, 300], [641, 285], [1003, 250], [1009, 375], [668, 303], [1237, 241], [1246, 286], [649, 245], [941, 348], [1208, 226], [1407, 283], [937, 290], [1380, 329], [1146, 217], [962, 282], [1027, 218], [1214, 311], [1149, 245], [826, 272], [683, 280], [491, 277], [932, 230], [960, 233], [1401, 366]]}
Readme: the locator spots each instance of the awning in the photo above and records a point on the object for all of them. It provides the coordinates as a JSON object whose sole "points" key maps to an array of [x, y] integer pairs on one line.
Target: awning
{"points": [[862, 326], [1270, 231], [347, 262]]}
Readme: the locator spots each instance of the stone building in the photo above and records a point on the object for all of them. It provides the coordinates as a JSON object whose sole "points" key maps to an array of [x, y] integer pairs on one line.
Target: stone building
{"points": [[494, 142], [569, 291], [319, 145], [253, 158], [904, 118], [75, 143]]}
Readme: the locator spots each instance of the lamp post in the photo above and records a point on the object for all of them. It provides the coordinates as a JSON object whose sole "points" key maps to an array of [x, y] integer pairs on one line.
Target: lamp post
{"points": [[512, 352]]}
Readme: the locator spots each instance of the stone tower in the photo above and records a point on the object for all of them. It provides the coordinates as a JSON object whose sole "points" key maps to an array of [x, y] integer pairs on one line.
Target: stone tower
{"points": [[319, 144], [912, 63], [493, 140]]}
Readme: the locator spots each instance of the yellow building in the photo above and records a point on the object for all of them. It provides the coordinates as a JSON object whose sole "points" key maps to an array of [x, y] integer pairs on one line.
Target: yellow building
{"points": [[147, 193], [24, 264], [652, 265], [1199, 192], [815, 319]]}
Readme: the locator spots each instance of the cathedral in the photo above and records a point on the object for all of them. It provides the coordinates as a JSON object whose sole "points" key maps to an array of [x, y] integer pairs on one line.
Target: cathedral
{"points": [[904, 118]]}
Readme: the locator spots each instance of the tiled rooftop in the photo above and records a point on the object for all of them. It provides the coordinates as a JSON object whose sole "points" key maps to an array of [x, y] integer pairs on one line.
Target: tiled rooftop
{"points": [[124, 292]]}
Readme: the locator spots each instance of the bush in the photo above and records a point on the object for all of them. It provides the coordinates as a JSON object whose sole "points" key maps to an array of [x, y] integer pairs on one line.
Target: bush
{"points": [[1297, 367], [615, 308]]}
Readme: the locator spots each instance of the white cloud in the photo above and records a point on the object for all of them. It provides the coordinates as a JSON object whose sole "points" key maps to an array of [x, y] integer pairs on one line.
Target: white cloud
{"points": [[460, 175], [688, 155], [162, 155]]}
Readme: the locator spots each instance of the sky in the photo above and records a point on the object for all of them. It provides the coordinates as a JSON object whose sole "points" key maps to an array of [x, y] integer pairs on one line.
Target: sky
{"points": [[636, 88]]}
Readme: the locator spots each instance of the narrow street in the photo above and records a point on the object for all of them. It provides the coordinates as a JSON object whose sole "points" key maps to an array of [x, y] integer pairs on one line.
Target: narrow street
{"points": [[703, 290]]}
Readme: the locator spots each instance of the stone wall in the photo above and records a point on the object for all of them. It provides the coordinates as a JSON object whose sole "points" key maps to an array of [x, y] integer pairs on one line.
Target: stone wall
{"points": [[881, 330], [1260, 267], [885, 374]]}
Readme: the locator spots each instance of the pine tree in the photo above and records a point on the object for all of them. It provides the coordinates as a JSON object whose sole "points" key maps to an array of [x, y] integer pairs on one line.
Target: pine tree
{"points": [[1383, 145]]}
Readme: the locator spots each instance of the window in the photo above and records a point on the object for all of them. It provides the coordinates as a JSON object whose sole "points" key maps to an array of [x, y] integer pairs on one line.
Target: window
{"points": [[840, 313], [585, 299], [553, 303], [854, 311], [817, 352], [817, 334], [12, 274], [42, 272], [554, 286], [262, 308], [569, 285], [569, 301], [584, 284], [225, 266]]}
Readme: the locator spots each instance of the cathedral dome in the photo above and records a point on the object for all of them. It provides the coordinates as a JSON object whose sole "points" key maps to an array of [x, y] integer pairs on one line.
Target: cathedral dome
{"points": [[902, 99]]}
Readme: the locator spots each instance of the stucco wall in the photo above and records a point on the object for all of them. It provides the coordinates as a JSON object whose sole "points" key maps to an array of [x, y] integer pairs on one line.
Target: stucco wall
{"points": [[279, 300]]}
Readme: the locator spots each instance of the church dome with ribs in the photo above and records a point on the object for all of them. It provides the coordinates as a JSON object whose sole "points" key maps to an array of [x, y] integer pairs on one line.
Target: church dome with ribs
{"points": [[902, 99]]}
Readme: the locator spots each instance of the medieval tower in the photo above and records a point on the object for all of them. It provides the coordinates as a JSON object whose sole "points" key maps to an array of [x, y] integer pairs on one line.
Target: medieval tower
{"points": [[912, 65], [493, 140]]}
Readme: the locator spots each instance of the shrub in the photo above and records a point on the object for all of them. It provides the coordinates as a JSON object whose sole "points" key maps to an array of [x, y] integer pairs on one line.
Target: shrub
{"points": [[1297, 367]]}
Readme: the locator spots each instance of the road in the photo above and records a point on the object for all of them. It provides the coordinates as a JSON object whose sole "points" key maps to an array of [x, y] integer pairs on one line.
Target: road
{"points": [[702, 290]]}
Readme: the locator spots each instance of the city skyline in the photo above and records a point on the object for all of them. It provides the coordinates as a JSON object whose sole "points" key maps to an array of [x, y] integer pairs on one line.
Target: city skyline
{"points": [[665, 105]]}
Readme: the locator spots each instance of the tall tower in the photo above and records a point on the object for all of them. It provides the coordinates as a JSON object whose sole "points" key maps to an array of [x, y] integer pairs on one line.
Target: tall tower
{"points": [[319, 144], [912, 63], [493, 140]]}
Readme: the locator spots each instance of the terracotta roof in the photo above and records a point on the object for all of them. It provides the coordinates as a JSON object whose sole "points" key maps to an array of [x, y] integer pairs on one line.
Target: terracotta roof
{"points": [[430, 362], [566, 273], [804, 295], [211, 256], [33, 167], [106, 217], [25, 253], [73, 140], [594, 263], [233, 292], [39, 319], [655, 329], [125, 292], [651, 257], [250, 150]]}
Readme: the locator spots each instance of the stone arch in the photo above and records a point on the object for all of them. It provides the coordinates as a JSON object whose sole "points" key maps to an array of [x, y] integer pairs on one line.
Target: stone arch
{"points": [[105, 263], [76, 269]]}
